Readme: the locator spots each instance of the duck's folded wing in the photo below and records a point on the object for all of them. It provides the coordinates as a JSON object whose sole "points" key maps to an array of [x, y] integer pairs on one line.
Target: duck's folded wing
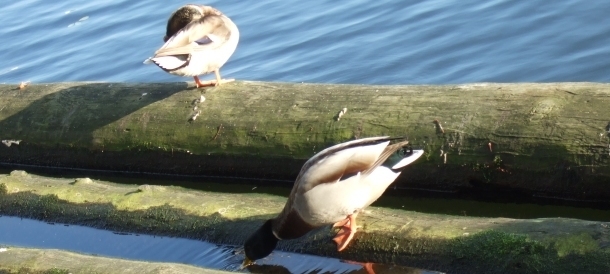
{"points": [[208, 32], [336, 162]]}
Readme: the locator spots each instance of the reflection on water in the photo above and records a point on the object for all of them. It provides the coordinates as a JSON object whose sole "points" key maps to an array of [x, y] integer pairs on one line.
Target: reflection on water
{"points": [[362, 268], [30, 233]]}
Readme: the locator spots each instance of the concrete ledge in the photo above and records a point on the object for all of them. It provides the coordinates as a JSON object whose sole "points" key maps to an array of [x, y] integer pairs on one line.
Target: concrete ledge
{"points": [[444, 243]]}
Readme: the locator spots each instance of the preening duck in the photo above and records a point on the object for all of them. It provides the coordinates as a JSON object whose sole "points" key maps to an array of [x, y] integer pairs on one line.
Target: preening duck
{"points": [[332, 188], [199, 40]]}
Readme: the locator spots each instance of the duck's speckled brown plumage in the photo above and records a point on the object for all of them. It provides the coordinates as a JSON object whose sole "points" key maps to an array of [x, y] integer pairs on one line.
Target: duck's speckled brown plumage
{"points": [[184, 15], [199, 40]]}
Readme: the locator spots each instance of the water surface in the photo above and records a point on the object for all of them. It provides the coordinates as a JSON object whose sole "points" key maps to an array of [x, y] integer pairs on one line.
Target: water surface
{"points": [[367, 42], [30, 233]]}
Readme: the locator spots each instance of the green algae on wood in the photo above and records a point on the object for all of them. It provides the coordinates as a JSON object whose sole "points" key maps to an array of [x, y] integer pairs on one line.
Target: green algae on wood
{"points": [[457, 244], [548, 140]]}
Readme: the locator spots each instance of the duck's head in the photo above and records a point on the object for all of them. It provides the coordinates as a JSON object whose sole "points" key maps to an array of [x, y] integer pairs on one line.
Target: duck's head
{"points": [[261, 243], [402, 157], [180, 18]]}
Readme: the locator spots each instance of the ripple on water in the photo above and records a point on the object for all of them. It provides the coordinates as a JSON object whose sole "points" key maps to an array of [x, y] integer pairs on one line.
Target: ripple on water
{"points": [[30, 233], [369, 42]]}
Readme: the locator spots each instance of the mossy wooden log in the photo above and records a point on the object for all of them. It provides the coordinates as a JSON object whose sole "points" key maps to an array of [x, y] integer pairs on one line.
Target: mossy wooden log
{"points": [[528, 140], [453, 244]]}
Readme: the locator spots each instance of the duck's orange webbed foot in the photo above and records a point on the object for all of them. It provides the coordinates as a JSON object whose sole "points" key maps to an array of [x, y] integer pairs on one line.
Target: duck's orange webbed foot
{"points": [[211, 83], [219, 81], [346, 232]]}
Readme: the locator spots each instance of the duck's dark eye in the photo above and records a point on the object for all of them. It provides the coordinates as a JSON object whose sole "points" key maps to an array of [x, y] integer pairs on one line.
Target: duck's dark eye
{"points": [[405, 151]]}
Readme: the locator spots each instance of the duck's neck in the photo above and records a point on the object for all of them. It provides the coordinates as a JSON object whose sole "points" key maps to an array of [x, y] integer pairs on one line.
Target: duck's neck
{"points": [[267, 231]]}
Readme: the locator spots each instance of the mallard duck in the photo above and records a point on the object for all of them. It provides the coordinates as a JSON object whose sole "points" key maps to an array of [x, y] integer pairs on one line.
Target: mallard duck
{"points": [[199, 40], [332, 188]]}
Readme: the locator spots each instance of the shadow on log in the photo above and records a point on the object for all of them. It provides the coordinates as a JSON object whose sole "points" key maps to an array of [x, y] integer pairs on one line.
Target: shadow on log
{"points": [[534, 142]]}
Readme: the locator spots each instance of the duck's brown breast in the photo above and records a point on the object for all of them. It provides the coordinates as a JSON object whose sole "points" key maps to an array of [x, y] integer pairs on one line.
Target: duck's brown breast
{"points": [[293, 226]]}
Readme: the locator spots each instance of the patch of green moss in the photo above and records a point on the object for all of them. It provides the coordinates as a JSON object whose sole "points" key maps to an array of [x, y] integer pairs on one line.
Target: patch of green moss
{"points": [[580, 244], [3, 189], [30, 271], [493, 250], [499, 252], [56, 271]]}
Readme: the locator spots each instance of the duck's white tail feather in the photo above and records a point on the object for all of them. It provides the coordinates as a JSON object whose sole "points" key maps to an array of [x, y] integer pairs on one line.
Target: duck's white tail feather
{"points": [[407, 160], [170, 62]]}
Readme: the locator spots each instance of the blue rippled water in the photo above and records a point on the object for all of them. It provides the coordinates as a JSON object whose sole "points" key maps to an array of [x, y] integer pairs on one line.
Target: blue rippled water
{"points": [[16, 231], [368, 42]]}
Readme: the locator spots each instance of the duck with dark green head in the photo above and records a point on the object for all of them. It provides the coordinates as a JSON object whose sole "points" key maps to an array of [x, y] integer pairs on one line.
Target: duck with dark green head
{"points": [[332, 188]]}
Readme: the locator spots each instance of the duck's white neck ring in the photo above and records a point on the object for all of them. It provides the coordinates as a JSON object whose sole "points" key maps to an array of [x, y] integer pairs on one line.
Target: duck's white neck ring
{"points": [[275, 234]]}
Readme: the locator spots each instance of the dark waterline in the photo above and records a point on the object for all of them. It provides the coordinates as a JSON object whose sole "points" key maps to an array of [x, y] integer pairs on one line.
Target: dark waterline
{"points": [[35, 234], [406, 199]]}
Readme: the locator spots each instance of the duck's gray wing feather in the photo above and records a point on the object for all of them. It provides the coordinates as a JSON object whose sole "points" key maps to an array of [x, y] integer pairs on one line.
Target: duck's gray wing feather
{"points": [[205, 33]]}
